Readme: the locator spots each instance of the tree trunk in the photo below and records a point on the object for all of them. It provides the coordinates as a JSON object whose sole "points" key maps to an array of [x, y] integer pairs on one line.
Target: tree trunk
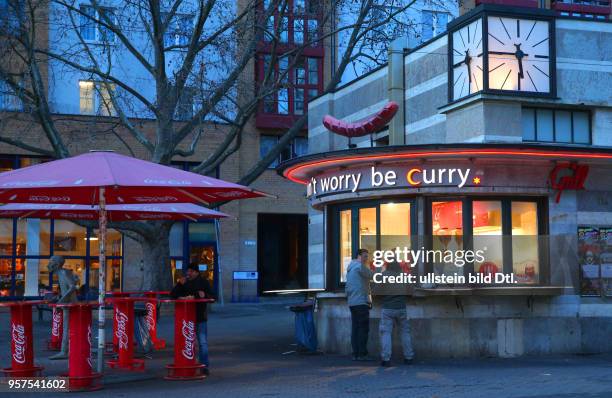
{"points": [[156, 252]]}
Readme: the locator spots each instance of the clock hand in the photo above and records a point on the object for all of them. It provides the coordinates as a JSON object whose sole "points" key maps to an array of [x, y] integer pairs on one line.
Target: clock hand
{"points": [[501, 53], [467, 61], [519, 54]]}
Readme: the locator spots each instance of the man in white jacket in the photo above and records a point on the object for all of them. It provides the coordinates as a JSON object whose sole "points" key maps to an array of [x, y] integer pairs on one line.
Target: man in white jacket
{"points": [[358, 276]]}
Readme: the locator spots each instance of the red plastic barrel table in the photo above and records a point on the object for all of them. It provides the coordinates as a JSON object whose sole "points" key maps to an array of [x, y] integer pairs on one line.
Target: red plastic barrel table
{"points": [[124, 334], [57, 330], [151, 318], [113, 347], [22, 348], [81, 376], [186, 365]]}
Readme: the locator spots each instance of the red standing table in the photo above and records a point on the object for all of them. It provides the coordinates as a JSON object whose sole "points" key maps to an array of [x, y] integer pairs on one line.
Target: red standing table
{"points": [[124, 334], [186, 365], [151, 318], [22, 347], [113, 347], [81, 376]]}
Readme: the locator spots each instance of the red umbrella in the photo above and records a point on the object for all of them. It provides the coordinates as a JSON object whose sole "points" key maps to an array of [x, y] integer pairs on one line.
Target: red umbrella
{"points": [[161, 211], [78, 180], [103, 177]]}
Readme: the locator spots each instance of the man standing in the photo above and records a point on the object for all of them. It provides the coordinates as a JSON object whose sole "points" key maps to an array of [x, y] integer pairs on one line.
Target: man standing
{"points": [[194, 286], [358, 276], [394, 312]]}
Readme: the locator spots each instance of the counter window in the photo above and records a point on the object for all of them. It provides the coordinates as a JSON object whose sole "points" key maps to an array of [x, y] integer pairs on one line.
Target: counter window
{"points": [[506, 232], [375, 226], [447, 234]]}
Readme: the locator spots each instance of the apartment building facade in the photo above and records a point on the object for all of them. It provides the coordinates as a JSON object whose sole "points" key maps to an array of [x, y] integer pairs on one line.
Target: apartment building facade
{"points": [[264, 239]]}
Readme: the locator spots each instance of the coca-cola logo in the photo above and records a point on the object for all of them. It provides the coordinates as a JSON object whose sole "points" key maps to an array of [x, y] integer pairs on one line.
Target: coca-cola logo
{"points": [[153, 199], [19, 343], [89, 345], [189, 335], [57, 321], [43, 198], [121, 332], [150, 317]]}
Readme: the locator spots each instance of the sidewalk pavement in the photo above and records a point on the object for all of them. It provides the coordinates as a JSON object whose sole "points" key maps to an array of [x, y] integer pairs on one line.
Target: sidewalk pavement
{"points": [[247, 342]]}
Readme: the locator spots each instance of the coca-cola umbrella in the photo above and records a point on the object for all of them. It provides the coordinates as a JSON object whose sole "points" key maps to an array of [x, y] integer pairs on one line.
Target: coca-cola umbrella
{"points": [[130, 212], [101, 178]]}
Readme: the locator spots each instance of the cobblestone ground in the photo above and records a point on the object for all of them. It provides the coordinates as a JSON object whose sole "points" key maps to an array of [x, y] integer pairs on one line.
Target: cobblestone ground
{"points": [[247, 345]]}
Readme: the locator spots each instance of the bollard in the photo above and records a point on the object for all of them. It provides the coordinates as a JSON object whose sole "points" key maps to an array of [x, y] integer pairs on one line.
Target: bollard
{"points": [[22, 348], [124, 334], [81, 376], [151, 319], [57, 330], [185, 366]]}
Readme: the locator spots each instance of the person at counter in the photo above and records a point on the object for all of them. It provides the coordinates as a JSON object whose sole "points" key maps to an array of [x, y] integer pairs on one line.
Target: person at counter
{"points": [[358, 293], [194, 286], [394, 312]]}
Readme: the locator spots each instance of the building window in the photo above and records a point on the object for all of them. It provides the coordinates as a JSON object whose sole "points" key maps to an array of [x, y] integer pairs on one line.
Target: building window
{"points": [[372, 226], [93, 31], [9, 99], [297, 147], [432, 24], [95, 98], [556, 125], [509, 231], [11, 16], [302, 80], [179, 30], [185, 107]]}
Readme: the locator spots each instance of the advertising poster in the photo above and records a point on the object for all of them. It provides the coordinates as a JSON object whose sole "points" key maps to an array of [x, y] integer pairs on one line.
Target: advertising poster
{"points": [[589, 249], [605, 242]]}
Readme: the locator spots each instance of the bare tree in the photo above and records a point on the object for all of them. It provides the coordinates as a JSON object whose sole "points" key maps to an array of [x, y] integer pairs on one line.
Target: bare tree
{"points": [[194, 58]]}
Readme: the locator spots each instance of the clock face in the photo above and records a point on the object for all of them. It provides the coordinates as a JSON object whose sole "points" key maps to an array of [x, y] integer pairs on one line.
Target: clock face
{"points": [[467, 60], [518, 54]]}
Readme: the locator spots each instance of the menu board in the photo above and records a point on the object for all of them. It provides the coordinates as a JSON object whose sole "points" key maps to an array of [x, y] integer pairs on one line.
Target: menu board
{"points": [[595, 260]]}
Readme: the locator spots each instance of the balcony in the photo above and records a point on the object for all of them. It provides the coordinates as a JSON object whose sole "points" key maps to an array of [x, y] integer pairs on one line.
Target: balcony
{"points": [[599, 7]]}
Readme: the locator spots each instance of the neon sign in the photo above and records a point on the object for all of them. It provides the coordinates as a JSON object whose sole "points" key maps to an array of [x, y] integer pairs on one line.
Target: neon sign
{"points": [[574, 181]]}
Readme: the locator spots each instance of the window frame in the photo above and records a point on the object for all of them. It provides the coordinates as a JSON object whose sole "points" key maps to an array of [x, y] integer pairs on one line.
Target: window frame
{"points": [[554, 128], [279, 159], [98, 35], [333, 277], [98, 102]]}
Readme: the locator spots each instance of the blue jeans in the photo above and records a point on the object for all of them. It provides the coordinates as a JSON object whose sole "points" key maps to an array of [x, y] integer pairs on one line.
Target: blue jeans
{"points": [[202, 333]]}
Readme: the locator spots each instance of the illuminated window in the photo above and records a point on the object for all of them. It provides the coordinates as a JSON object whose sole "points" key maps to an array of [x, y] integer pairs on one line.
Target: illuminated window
{"points": [[367, 230], [487, 230], [395, 227], [525, 248], [447, 231], [346, 241], [95, 98]]}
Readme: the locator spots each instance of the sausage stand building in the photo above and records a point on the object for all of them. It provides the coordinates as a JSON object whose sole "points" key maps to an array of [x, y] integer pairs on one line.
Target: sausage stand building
{"points": [[501, 141]]}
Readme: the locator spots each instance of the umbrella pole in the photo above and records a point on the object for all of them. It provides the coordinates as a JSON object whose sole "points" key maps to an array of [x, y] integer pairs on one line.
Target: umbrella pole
{"points": [[101, 281]]}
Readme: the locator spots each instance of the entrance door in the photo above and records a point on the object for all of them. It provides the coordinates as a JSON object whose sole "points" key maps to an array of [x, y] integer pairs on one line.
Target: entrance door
{"points": [[282, 252], [205, 255]]}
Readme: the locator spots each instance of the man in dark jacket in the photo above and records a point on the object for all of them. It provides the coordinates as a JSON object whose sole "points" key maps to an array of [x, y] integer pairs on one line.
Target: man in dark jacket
{"points": [[394, 312], [194, 286]]}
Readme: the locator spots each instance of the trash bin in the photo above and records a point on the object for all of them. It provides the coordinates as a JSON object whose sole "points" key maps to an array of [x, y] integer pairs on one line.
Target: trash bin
{"points": [[305, 332]]}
